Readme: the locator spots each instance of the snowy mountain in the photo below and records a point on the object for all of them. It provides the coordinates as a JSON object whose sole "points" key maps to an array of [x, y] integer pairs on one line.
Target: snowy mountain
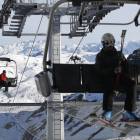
{"points": [[23, 48], [30, 122]]}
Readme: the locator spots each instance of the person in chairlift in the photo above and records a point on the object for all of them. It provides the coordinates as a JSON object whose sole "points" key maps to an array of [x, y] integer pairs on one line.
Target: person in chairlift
{"points": [[3, 80], [107, 66]]}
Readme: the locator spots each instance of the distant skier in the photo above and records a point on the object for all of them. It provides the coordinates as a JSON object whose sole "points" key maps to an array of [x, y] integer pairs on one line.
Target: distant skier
{"points": [[107, 66], [3, 80]]}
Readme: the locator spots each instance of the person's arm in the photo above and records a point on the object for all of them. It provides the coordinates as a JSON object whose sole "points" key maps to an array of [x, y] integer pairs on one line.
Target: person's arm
{"points": [[99, 67], [124, 64], [3, 77]]}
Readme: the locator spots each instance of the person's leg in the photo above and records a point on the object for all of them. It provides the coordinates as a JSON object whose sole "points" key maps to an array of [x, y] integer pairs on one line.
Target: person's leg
{"points": [[109, 84], [6, 86], [129, 85], [0, 85], [6, 89]]}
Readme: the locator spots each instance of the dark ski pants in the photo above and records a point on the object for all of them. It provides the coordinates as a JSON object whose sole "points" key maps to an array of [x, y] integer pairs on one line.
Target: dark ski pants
{"points": [[109, 83], [5, 84]]}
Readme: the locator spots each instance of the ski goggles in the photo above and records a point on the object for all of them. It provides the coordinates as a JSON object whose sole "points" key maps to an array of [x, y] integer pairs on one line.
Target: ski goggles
{"points": [[108, 43]]}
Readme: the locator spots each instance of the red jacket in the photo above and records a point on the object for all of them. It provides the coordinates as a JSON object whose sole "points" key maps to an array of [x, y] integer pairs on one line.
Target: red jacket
{"points": [[3, 77]]}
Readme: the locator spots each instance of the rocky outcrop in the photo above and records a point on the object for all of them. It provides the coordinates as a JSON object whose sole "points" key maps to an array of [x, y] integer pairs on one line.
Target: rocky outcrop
{"points": [[134, 58]]}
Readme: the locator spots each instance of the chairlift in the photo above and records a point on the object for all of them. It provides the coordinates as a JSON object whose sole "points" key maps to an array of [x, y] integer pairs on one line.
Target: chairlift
{"points": [[12, 81], [76, 78]]}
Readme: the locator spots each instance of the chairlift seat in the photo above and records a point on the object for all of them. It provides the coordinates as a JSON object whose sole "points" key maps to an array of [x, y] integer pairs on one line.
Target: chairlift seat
{"points": [[67, 78], [11, 82], [93, 81]]}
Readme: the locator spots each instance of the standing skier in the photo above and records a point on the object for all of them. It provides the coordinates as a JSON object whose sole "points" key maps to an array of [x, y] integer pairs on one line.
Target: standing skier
{"points": [[106, 65]]}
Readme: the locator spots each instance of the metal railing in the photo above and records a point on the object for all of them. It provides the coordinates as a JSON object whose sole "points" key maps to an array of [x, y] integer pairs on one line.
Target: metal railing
{"points": [[26, 1]]}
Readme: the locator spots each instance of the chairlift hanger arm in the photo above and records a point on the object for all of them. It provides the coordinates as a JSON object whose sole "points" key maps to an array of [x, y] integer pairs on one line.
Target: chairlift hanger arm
{"points": [[81, 13], [16, 76], [49, 31], [5, 59]]}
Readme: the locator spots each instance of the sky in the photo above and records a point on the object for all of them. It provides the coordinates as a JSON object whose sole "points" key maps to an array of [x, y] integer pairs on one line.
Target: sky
{"points": [[123, 15]]}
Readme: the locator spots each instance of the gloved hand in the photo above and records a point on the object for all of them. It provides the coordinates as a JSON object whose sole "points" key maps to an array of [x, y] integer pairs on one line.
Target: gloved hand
{"points": [[118, 69], [121, 56]]}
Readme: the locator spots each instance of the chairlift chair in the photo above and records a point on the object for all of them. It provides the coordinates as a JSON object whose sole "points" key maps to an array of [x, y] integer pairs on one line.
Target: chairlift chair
{"points": [[76, 78], [12, 81]]}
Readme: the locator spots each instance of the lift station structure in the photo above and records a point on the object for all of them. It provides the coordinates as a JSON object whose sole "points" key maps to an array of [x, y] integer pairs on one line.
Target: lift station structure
{"points": [[85, 15]]}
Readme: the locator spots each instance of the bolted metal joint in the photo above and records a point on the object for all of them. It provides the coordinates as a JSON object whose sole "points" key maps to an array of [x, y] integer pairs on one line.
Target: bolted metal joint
{"points": [[136, 22], [49, 63], [76, 3]]}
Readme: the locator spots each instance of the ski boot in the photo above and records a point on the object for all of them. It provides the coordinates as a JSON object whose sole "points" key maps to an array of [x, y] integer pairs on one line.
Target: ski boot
{"points": [[129, 115], [106, 115], [6, 89]]}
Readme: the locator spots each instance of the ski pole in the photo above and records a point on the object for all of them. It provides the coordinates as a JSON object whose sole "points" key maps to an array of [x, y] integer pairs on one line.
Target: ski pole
{"points": [[118, 75]]}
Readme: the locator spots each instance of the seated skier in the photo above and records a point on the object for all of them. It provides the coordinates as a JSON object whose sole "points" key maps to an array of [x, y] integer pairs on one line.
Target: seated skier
{"points": [[3, 81], [107, 61]]}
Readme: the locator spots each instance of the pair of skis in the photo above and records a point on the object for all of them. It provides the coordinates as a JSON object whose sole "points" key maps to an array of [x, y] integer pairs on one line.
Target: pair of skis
{"points": [[132, 122], [118, 75]]}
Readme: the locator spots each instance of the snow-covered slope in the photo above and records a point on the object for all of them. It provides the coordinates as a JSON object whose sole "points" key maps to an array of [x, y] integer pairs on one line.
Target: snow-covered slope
{"points": [[34, 119]]}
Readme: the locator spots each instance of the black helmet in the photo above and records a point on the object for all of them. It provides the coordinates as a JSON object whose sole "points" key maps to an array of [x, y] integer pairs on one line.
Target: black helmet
{"points": [[4, 71]]}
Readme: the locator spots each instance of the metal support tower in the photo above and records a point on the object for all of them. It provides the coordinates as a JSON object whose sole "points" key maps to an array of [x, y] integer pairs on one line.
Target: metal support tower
{"points": [[83, 14], [55, 119]]}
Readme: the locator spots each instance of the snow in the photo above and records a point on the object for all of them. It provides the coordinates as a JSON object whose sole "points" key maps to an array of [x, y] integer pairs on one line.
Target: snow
{"points": [[26, 91], [130, 138]]}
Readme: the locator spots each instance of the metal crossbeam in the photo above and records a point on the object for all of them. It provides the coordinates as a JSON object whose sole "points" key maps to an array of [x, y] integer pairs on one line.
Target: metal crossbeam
{"points": [[89, 12], [108, 1], [80, 103], [22, 104]]}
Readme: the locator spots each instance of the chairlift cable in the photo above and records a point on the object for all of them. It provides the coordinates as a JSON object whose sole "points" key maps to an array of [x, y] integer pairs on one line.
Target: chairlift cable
{"points": [[78, 45], [23, 72]]}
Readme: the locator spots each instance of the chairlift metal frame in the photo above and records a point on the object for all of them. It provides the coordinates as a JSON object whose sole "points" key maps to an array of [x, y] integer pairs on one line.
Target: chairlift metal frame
{"points": [[43, 78], [46, 68], [12, 81]]}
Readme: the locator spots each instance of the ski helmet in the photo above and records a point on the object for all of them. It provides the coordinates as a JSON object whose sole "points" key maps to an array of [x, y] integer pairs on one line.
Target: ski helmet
{"points": [[107, 37], [4, 71]]}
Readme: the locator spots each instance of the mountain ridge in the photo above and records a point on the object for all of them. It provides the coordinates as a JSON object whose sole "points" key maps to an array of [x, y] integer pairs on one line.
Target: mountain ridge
{"points": [[23, 47]]}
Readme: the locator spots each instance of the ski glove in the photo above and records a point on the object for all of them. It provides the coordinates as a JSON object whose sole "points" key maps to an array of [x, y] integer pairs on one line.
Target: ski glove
{"points": [[121, 56], [118, 69]]}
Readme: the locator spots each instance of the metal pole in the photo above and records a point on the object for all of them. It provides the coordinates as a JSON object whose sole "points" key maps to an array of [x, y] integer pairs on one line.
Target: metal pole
{"points": [[49, 32]]}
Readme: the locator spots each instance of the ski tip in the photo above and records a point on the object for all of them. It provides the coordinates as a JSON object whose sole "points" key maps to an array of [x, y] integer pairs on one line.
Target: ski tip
{"points": [[108, 122]]}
